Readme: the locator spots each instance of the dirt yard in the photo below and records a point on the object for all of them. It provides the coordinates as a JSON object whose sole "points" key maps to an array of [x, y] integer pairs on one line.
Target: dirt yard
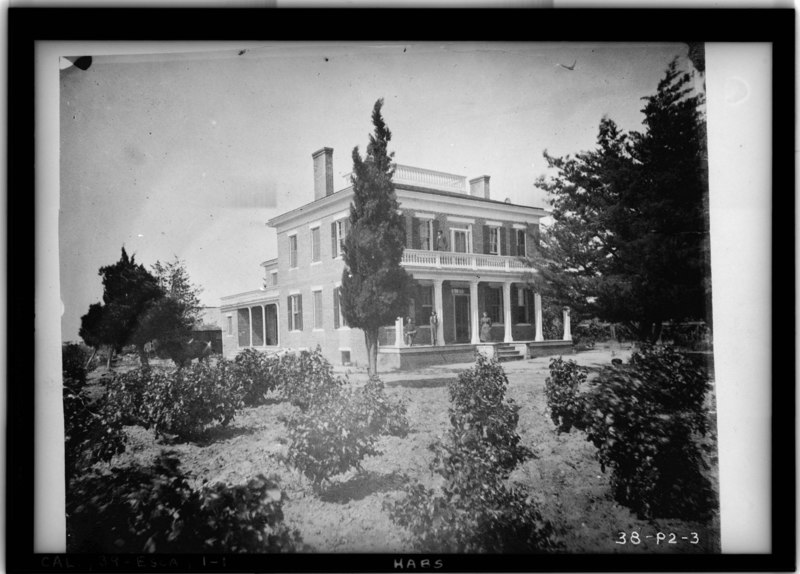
{"points": [[348, 517]]}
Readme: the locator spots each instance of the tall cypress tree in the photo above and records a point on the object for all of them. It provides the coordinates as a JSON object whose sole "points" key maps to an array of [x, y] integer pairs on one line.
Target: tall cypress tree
{"points": [[375, 287]]}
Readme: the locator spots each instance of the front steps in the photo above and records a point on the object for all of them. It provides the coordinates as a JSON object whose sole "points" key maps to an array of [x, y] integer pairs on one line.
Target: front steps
{"points": [[505, 352]]}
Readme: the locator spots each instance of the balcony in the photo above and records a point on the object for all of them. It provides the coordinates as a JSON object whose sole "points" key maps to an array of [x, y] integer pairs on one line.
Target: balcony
{"points": [[461, 261]]}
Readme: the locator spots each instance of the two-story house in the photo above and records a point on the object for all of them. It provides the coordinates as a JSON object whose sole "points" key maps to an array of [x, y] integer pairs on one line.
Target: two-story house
{"points": [[466, 251]]}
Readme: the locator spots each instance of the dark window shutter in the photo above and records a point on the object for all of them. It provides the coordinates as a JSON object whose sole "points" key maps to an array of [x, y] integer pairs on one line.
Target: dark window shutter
{"points": [[503, 242], [435, 233], [300, 312], [336, 293], [415, 233], [486, 239], [334, 243], [289, 325]]}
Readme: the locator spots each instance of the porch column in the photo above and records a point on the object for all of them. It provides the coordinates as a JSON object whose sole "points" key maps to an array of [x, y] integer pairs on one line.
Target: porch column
{"points": [[473, 312], [263, 325], [398, 333], [537, 310], [439, 307], [567, 331], [507, 312], [250, 314]]}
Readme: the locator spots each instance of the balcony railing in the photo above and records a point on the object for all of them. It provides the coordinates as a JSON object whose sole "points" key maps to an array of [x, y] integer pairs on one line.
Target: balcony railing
{"points": [[450, 260]]}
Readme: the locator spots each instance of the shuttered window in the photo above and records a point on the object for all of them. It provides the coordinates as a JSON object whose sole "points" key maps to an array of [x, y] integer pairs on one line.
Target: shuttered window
{"points": [[295, 309]]}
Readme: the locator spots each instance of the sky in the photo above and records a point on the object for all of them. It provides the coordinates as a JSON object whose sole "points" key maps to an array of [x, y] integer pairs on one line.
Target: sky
{"points": [[189, 154]]}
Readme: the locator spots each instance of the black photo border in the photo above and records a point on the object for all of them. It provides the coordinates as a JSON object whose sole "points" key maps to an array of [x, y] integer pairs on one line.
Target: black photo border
{"points": [[26, 26]]}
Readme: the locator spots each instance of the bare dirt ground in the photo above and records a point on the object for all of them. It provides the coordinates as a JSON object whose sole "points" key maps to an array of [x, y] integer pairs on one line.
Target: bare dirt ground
{"points": [[347, 516]]}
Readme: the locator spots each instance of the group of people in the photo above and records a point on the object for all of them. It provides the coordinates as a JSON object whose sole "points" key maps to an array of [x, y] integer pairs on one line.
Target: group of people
{"points": [[410, 328]]}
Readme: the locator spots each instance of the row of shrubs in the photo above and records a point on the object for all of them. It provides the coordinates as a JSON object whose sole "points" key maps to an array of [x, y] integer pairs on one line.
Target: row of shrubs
{"points": [[476, 510], [153, 508], [644, 418]]}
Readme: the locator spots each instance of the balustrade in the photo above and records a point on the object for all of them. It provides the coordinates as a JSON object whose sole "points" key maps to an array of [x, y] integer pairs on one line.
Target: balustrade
{"points": [[451, 260]]}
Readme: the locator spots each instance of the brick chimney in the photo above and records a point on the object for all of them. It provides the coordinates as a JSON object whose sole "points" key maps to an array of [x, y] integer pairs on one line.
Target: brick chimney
{"points": [[479, 186], [323, 172]]}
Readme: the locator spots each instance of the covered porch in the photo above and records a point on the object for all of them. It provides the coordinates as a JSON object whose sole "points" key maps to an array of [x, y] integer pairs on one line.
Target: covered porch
{"points": [[498, 315]]}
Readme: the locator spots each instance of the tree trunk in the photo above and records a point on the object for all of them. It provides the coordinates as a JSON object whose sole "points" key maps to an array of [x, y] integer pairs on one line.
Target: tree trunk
{"points": [[89, 362], [371, 340], [110, 354]]}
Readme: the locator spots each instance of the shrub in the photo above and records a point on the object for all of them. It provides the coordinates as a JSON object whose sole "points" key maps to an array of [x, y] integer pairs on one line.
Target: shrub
{"points": [[563, 396], [383, 416], [256, 375], [155, 509], [91, 434], [476, 511], [307, 378], [642, 417], [331, 438], [126, 393], [482, 418], [186, 401]]}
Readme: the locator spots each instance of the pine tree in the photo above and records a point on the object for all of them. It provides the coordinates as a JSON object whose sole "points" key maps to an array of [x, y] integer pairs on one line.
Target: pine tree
{"points": [[174, 280], [375, 287]]}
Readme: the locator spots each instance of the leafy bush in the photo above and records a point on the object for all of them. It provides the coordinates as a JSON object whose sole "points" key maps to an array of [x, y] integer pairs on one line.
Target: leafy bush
{"points": [[564, 400], [186, 401], [256, 375], [643, 417], [482, 418], [155, 509], [476, 511], [332, 437], [307, 378], [383, 416], [91, 434], [126, 393], [588, 333]]}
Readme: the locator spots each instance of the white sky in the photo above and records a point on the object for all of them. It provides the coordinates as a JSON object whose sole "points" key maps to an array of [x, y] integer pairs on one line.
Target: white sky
{"points": [[190, 154]]}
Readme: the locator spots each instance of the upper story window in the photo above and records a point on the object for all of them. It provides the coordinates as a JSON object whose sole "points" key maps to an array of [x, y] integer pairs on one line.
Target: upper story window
{"points": [[461, 240], [292, 251], [315, 251], [522, 250], [339, 231], [494, 240]]}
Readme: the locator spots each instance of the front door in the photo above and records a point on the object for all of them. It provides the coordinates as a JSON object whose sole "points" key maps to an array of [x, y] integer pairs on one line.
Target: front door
{"points": [[461, 306]]}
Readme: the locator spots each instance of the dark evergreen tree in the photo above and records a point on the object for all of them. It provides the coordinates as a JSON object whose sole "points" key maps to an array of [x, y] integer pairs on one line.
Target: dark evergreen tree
{"points": [[630, 241], [375, 287], [128, 292], [174, 280]]}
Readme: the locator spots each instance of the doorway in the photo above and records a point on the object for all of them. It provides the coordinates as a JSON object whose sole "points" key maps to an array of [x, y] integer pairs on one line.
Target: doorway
{"points": [[461, 315]]}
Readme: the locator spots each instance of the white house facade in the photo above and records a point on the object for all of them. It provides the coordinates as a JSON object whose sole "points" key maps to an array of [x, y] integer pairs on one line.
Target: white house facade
{"points": [[480, 266]]}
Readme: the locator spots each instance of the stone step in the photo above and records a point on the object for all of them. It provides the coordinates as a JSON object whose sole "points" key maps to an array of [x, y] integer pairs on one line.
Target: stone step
{"points": [[504, 358]]}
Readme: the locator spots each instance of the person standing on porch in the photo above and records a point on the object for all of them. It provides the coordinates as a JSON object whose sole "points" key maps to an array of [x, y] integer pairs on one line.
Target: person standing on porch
{"points": [[441, 241], [434, 325], [411, 330], [486, 327]]}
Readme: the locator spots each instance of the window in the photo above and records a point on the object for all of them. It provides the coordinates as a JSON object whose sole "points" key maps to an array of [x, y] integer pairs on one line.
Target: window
{"points": [[295, 307], [425, 307], [315, 244], [426, 234], [338, 234], [257, 326], [292, 251], [521, 251], [230, 324], [338, 316], [317, 309], [494, 240], [494, 304], [461, 240], [274, 276]]}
